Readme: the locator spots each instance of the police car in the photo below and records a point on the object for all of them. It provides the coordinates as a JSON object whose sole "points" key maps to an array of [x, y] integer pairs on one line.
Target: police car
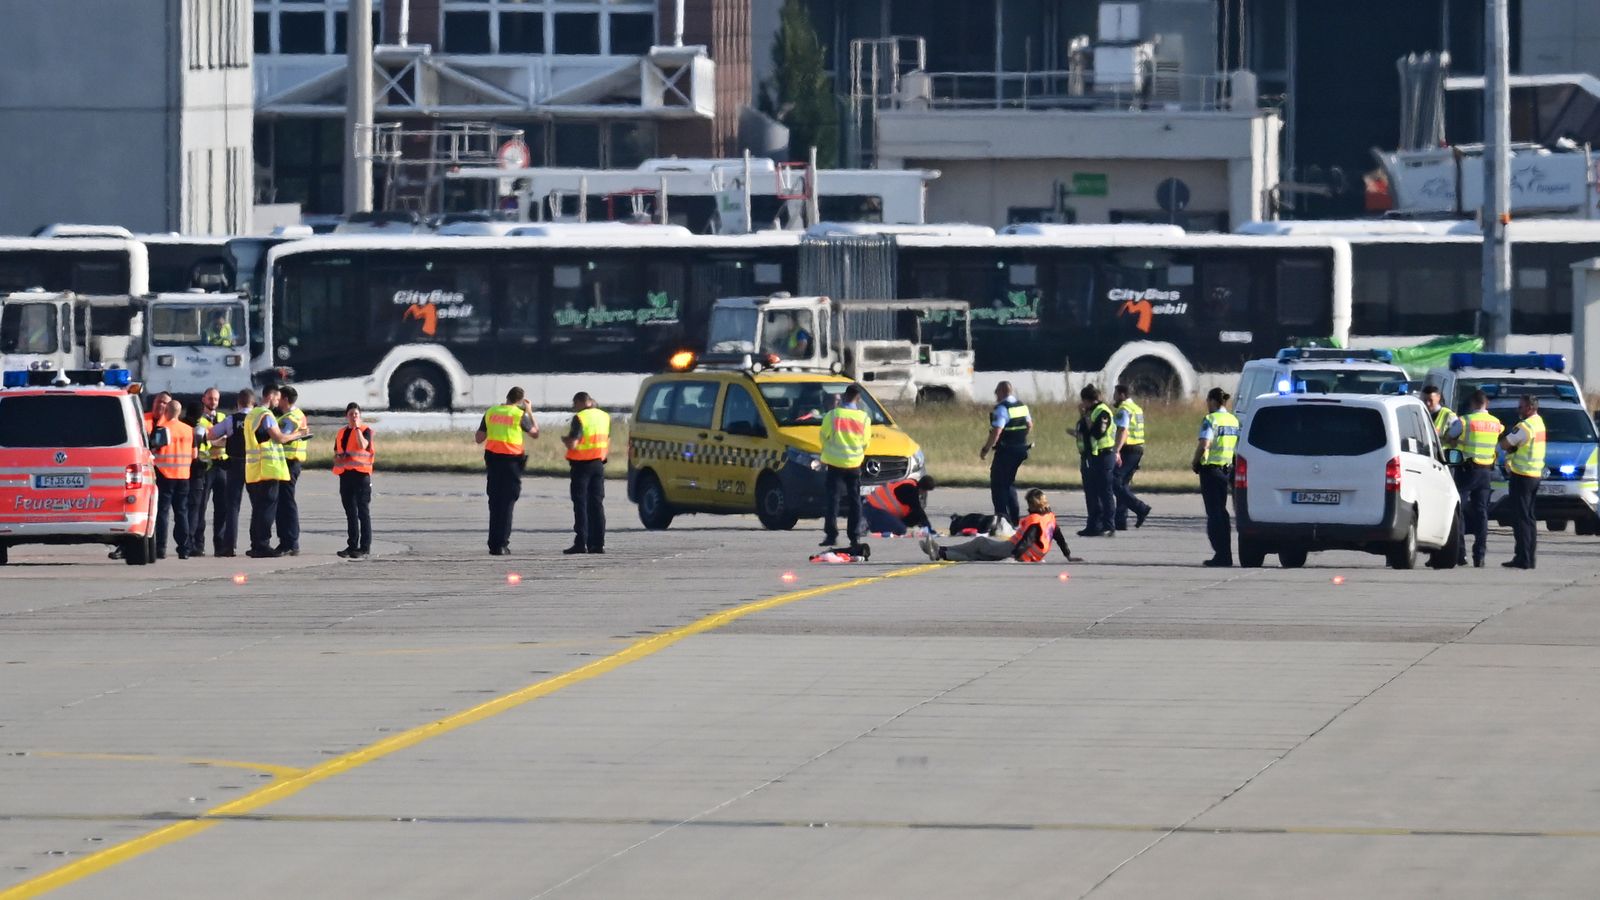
{"points": [[1507, 374], [1344, 472], [1570, 489], [75, 462], [1317, 370], [747, 440]]}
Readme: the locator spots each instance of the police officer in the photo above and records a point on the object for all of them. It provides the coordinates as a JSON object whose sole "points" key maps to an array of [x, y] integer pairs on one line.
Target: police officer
{"points": [[1524, 445], [1213, 462], [353, 456], [1480, 434], [174, 461], [1097, 438], [206, 479], [1446, 424], [290, 418], [1129, 453], [1009, 428], [588, 443], [846, 432], [266, 470], [501, 433], [230, 432]]}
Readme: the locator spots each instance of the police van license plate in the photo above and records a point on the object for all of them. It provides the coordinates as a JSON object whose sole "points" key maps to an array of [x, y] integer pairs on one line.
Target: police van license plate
{"points": [[1328, 498], [1547, 488], [60, 482]]}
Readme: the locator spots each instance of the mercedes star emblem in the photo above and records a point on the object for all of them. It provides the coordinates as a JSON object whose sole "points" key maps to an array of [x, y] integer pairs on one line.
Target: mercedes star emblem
{"points": [[872, 467]]}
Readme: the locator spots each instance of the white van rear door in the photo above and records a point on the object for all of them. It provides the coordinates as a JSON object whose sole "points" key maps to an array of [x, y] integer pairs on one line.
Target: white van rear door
{"points": [[1316, 461]]}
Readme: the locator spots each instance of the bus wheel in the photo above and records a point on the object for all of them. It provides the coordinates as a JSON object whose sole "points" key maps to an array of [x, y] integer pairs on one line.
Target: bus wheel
{"points": [[1149, 377], [1556, 524], [418, 388], [772, 507]]}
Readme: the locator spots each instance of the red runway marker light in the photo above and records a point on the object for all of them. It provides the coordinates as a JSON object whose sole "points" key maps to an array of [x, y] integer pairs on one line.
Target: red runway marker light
{"points": [[1338, 579], [787, 577], [513, 578], [1065, 576], [240, 578]]}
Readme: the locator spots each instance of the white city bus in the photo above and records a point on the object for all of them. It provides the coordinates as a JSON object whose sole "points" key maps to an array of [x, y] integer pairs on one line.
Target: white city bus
{"points": [[92, 266], [427, 322], [1416, 280]]}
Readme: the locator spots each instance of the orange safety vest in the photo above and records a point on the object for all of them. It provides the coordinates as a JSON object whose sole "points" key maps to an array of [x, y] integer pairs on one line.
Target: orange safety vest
{"points": [[175, 459], [883, 497], [348, 455], [1037, 551]]}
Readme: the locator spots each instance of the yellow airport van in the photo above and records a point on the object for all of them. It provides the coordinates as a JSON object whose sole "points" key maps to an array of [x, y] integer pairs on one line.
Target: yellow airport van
{"points": [[740, 441]]}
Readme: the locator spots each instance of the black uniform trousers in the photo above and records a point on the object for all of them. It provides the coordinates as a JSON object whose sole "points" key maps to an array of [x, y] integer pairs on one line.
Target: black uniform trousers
{"points": [[225, 534], [504, 483], [1003, 481], [288, 518], [1473, 481], [172, 511], [202, 486], [589, 504], [263, 513], [1215, 484], [848, 482], [355, 494], [1099, 490], [1524, 527], [1122, 486]]}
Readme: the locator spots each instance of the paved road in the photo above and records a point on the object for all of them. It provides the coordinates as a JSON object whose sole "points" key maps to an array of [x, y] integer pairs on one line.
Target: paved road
{"points": [[677, 720]]}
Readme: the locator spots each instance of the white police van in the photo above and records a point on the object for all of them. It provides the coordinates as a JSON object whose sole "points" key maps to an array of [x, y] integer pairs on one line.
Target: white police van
{"points": [[1317, 370], [1344, 472], [1504, 374]]}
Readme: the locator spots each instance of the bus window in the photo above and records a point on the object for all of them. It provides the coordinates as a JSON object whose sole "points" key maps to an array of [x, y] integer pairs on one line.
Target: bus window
{"points": [[1371, 290], [99, 277], [1432, 298], [429, 300], [20, 274], [1541, 290], [1224, 294], [321, 313], [618, 313], [1070, 303], [1303, 291]]}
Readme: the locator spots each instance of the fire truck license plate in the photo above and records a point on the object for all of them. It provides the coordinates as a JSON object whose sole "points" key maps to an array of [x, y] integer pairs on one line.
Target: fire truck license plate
{"points": [[60, 482]]}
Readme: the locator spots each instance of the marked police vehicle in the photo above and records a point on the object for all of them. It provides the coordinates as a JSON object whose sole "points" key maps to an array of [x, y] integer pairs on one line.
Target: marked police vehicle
{"points": [[906, 350], [1570, 490], [1511, 374], [746, 440], [1317, 370], [76, 465], [1344, 472]]}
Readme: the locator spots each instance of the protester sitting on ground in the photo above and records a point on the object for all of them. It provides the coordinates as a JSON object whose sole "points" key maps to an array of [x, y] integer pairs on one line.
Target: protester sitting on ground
{"points": [[1030, 543]]}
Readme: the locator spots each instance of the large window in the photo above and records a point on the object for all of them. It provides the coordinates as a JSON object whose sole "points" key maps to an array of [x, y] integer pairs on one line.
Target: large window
{"points": [[563, 27], [421, 300], [616, 313], [306, 27], [62, 421]]}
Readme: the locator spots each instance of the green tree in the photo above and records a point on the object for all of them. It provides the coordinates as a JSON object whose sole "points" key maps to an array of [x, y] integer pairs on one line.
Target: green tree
{"points": [[800, 92]]}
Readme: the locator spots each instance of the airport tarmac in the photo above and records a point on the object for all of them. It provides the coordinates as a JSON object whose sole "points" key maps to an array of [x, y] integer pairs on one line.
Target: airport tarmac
{"points": [[679, 719]]}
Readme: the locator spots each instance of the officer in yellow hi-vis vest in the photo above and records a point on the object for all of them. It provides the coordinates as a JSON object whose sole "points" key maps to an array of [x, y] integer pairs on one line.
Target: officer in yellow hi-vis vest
{"points": [[290, 418], [846, 431], [207, 480], [588, 443], [265, 470], [1097, 439], [1524, 446], [1480, 435], [1130, 452], [1213, 462], [501, 433]]}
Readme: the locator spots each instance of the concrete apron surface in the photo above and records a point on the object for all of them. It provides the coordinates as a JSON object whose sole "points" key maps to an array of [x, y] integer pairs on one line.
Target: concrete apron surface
{"points": [[703, 713]]}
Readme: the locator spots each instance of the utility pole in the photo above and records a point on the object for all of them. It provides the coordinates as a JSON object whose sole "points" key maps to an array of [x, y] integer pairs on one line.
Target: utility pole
{"points": [[358, 108], [1496, 212]]}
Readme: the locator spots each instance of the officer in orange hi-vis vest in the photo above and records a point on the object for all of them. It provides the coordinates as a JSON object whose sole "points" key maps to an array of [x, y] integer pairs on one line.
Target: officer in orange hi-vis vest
{"points": [[588, 443]]}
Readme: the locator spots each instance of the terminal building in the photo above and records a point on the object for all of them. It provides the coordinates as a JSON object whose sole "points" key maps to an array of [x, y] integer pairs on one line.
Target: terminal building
{"points": [[181, 115]]}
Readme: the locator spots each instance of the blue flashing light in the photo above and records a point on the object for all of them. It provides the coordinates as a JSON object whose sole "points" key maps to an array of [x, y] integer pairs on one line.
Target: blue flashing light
{"points": [[1548, 362], [1327, 354], [15, 378], [117, 377], [1284, 386], [1569, 470]]}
